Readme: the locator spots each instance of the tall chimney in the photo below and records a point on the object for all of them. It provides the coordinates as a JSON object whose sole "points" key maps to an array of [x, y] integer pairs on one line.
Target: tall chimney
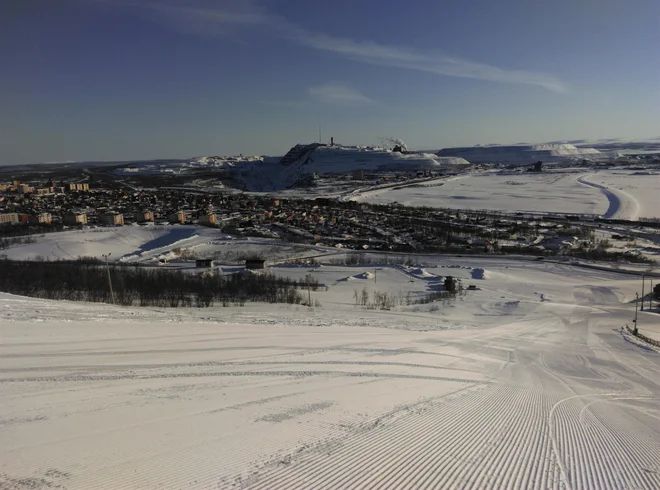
{"points": [[332, 141]]}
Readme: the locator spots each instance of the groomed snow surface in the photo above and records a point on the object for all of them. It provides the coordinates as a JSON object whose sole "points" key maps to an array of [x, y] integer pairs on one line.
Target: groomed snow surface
{"points": [[611, 194], [527, 383]]}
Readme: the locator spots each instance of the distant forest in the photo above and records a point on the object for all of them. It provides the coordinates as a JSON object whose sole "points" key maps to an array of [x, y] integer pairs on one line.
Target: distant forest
{"points": [[87, 280]]}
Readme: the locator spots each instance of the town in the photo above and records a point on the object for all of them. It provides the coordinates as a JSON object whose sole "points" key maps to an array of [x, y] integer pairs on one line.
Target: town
{"points": [[40, 207]]}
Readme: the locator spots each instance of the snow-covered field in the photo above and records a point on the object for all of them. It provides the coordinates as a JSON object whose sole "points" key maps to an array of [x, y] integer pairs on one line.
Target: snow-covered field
{"points": [[151, 244], [526, 383], [612, 194]]}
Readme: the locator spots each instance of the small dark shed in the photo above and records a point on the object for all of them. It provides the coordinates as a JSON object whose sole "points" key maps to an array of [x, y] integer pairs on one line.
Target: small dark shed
{"points": [[204, 263], [252, 264]]}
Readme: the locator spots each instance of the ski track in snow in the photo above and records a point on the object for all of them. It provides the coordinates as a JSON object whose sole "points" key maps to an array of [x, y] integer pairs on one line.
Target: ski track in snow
{"points": [[540, 395]]}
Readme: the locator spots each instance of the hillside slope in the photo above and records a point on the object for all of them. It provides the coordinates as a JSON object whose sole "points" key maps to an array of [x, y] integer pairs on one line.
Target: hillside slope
{"points": [[341, 159], [527, 383]]}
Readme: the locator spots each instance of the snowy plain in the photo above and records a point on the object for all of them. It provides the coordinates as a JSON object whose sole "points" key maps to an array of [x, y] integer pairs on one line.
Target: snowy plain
{"points": [[150, 244], [611, 194], [527, 382]]}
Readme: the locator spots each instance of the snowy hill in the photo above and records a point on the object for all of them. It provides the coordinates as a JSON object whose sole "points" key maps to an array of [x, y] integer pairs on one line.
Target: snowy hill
{"points": [[527, 382], [521, 154], [224, 161], [304, 160], [179, 167], [322, 159]]}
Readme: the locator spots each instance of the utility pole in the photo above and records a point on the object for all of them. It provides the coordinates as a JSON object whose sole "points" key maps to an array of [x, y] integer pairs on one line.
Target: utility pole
{"points": [[642, 308], [635, 319], [107, 267]]}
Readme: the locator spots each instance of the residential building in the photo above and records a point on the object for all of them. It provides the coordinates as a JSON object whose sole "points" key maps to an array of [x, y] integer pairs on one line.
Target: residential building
{"points": [[9, 218], [208, 219], [3, 187], [178, 217], [144, 216], [111, 219], [41, 219], [25, 189], [73, 219], [77, 187]]}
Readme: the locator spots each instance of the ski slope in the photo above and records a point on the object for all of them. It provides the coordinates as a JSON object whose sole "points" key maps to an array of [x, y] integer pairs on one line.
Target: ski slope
{"points": [[527, 383]]}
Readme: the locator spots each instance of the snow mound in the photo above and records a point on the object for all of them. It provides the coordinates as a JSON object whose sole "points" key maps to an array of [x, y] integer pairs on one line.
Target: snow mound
{"points": [[422, 273], [479, 273], [364, 275]]}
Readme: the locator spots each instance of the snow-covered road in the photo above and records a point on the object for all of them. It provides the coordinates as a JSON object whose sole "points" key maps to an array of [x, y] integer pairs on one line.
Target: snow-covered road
{"points": [[553, 397], [622, 205]]}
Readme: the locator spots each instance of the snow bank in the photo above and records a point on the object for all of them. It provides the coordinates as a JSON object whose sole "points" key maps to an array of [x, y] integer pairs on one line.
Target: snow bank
{"points": [[421, 273], [478, 273]]}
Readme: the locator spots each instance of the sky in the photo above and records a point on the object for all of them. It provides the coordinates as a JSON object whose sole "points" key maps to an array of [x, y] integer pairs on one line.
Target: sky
{"points": [[138, 79]]}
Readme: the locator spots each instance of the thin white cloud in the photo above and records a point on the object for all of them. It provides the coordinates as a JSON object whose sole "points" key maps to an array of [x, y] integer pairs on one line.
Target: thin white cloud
{"points": [[369, 52], [339, 93], [206, 17]]}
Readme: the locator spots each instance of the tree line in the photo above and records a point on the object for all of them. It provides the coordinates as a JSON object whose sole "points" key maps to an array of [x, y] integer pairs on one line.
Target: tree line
{"points": [[87, 280], [13, 242]]}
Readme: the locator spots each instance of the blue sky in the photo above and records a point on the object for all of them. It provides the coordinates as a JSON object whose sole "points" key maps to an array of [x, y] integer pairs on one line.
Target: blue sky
{"points": [[132, 79]]}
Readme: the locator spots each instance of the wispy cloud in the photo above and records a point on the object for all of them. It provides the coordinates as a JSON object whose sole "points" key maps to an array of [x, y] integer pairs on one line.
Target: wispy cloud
{"points": [[339, 93], [206, 17], [369, 52]]}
